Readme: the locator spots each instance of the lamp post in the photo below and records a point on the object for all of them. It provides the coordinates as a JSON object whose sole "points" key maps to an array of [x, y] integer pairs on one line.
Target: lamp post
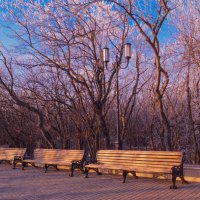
{"points": [[106, 55]]}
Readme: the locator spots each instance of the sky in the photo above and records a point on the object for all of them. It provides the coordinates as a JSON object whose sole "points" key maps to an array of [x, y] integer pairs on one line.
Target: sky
{"points": [[5, 35], [6, 38]]}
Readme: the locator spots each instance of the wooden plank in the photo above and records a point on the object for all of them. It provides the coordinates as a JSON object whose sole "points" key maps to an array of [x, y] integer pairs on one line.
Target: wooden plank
{"points": [[144, 164], [173, 153], [136, 169], [139, 156], [139, 159]]}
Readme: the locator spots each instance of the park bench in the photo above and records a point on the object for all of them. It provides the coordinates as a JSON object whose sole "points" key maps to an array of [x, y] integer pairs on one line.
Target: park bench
{"points": [[12, 155], [57, 157], [131, 161]]}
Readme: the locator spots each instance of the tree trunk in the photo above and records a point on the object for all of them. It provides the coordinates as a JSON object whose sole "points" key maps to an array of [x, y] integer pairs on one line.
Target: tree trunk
{"points": [[190, 118], [158, 101]]}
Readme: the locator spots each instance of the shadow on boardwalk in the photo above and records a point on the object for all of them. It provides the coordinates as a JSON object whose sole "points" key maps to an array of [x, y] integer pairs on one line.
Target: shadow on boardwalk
{"points": [[34, 184]]}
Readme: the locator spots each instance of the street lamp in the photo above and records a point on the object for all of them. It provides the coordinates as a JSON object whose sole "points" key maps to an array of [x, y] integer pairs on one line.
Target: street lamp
{"points": [[127, 54]]}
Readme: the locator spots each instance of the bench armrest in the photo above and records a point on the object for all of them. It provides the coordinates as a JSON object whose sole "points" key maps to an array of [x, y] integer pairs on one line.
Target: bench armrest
{"points": [[178, 166], [87, 162], [29, 157], [76, 161], [18, 158]]}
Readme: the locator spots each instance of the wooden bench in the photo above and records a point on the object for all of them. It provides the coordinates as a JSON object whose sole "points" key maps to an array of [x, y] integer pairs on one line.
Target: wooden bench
{"points": [[130, 161], [12, 155], [57, 157]]}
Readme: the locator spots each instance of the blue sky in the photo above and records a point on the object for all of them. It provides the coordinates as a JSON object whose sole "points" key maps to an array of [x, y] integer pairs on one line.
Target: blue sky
{"points": [[7, 40], [5, 35]]}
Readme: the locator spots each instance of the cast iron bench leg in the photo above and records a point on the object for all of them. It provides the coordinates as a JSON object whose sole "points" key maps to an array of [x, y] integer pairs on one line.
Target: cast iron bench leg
{"points": [[97, 171], [86, 172], [175, 173], [56, 167], [183, 180], [46, 167], [72, 170], [124, 175], [23, 165], [134, 174], [14, 164]]}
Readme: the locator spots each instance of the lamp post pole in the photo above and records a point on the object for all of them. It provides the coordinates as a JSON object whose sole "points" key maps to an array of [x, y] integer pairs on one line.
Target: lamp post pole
{"points": [[117, 101], [127, 54]]}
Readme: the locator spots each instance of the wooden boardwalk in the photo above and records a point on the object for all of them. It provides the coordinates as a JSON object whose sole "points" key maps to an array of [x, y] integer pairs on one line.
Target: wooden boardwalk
{"points": [[34, 184]]}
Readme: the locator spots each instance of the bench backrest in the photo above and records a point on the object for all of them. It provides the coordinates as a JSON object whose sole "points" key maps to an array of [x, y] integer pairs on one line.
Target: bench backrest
{"points": [[58, 155], [140, 159], [10, 153]]}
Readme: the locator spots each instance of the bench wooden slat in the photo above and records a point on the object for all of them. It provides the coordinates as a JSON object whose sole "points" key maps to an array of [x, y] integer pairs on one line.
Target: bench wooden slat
{"points": [[28, 160], [138, 156], [121, 159], [142, 164], [139, 169], [125, 152]]}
